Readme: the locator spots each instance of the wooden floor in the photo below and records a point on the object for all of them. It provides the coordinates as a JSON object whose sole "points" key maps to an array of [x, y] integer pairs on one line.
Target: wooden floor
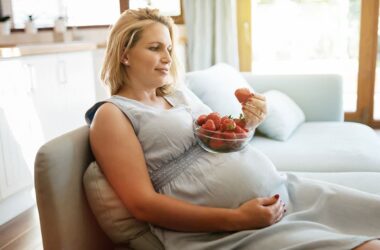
{"points": [[22, 232]]}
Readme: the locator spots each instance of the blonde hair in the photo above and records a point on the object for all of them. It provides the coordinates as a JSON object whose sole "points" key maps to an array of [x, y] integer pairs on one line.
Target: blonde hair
{"points": [[123, 36]]}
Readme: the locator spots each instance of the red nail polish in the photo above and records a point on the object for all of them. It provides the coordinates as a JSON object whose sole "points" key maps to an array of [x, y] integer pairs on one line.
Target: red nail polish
{"points": [[277, 196]]}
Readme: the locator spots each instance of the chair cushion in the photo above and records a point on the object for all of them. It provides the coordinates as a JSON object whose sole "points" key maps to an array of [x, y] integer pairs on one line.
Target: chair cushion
{"points": [[65, 216], [112, 216], [283, 116], [325, 147], [216, 86]]}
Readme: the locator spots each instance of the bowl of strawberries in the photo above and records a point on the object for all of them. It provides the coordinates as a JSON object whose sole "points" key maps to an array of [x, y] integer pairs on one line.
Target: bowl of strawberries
{"points": [[219, 134]]}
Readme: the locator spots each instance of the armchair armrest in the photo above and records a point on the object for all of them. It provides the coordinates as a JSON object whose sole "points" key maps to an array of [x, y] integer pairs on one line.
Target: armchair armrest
{"points": [[319, 96]]}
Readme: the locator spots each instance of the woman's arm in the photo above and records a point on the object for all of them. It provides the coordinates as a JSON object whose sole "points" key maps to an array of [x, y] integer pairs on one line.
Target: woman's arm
{"points": [[119, 154]]}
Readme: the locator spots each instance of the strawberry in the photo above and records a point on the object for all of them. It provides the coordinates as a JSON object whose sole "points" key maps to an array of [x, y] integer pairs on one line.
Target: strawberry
{"points": [[229, 135], [240, 132], [201, 120], [215, 116], [243, 94], [203, 135], [224, 118], [241, 122], [228, 124], [216, 143], [209, 125]]}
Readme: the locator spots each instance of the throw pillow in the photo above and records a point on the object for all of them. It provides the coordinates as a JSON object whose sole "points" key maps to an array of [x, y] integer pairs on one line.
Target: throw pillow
{"points": [[115, 220], [283, 116], [216, 87]]}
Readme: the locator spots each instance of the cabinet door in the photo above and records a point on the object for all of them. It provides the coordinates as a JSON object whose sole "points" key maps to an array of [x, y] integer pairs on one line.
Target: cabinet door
{"points": [[47, 93], [19, 129], [76, 74]]}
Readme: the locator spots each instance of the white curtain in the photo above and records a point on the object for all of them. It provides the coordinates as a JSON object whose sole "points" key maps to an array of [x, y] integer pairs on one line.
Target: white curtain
{"points": [[212, 33]]}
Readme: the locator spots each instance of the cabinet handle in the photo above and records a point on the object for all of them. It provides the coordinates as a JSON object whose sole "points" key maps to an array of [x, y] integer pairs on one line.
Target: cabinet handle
{"points": [[32, 77], [62, 75]]}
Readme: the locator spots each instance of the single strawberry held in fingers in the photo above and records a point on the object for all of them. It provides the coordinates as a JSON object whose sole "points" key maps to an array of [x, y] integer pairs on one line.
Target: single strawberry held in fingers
{"points": [[243, 94]]}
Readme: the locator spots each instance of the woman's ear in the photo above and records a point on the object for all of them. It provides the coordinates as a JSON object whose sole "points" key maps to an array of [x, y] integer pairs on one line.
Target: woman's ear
{"points": [[124, 59], [125, 62]]}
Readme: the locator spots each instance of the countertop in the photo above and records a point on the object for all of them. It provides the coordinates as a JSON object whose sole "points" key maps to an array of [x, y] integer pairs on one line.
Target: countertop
{"points": [[10, 51]]}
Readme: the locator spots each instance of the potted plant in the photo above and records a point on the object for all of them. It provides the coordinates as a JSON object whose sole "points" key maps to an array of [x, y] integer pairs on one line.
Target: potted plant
{"points": [[5, 25]]}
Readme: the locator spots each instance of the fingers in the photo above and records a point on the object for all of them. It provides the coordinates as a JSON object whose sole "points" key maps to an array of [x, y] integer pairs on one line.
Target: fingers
{"points": [[276, 207], [259, 96], [253, 112], [280, 212], [255, 107], [268, 201], [257, 103]]}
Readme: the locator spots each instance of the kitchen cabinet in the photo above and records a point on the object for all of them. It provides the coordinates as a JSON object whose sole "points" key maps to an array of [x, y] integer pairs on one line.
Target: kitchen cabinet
{"points": [[62, 90], [41, 97], [15, 129]]}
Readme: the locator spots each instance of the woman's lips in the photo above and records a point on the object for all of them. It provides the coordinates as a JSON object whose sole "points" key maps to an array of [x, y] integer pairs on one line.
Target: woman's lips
{"points": [[164, 71]]}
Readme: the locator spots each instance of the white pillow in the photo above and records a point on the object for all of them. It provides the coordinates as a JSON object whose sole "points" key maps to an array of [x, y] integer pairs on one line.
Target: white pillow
{"points": [[283, 116], [113, 217], [216, 87]]}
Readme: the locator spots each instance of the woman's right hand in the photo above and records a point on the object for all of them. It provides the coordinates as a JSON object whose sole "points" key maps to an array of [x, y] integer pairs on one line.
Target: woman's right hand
{"points": [[260, 212]]}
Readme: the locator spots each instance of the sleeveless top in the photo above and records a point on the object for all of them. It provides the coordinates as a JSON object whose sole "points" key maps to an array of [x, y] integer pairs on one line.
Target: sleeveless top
{"points": [[166, 136]]}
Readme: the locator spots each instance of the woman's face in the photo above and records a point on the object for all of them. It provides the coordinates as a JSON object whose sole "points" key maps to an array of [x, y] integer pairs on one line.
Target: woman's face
{"points": [[149, 61]]}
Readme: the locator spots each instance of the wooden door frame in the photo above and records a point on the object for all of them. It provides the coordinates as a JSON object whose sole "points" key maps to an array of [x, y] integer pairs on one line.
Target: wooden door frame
{"points": [[367, 65]]}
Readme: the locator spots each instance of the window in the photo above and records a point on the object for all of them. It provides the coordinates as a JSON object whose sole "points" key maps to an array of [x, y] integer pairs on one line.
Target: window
{"points": [[308, 36], [78, 13], [166, 7]]}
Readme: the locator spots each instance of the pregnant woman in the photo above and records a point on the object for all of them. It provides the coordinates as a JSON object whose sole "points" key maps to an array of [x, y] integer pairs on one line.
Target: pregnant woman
{"points": [[142, 139]]}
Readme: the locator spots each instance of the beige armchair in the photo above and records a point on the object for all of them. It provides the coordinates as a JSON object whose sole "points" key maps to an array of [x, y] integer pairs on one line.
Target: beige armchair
{"points": [[67, 221]]}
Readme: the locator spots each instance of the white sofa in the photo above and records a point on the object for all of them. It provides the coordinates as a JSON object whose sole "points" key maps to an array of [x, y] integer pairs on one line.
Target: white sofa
{"points": [[324, 147]]}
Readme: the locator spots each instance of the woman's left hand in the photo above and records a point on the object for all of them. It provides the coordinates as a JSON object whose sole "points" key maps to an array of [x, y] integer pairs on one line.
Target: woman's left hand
{"points": [[255, 110]]}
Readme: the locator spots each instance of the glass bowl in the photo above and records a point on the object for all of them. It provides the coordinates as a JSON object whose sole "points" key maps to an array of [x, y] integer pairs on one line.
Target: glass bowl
{"points": [[221, 142]]}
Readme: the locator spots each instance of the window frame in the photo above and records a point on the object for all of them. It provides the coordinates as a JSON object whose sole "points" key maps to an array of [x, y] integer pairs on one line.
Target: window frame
{"points": [[364, 113], [369, 16], [124, 5]]}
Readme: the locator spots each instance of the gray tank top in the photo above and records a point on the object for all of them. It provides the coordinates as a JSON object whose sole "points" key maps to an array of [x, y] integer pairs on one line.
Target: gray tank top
{"points": [[166, 136]]}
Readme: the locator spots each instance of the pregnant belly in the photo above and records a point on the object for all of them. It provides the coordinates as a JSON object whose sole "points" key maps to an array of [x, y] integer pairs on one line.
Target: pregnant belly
{"points": [[228, 180]]}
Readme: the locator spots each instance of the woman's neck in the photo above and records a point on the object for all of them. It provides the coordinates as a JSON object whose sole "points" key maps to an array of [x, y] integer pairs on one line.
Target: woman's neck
{"points": [[147, 97], [138, 94]]}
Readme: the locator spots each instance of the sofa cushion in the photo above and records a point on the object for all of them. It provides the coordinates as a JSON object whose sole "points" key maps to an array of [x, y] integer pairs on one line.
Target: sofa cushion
{"points": [[283, 116], [216, 87], [112, 216], [325, 147]]}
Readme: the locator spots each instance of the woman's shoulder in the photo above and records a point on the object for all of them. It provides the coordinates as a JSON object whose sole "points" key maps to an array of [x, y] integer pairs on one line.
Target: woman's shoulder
{"points": [[102, 111]]}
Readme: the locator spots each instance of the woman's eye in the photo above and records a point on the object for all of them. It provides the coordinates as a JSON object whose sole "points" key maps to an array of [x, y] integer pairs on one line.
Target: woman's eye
{"points": [[154, 48]]}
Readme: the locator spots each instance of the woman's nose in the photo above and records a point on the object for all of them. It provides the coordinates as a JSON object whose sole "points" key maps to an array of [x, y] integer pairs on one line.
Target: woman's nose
{"points": [[166, 57]]}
